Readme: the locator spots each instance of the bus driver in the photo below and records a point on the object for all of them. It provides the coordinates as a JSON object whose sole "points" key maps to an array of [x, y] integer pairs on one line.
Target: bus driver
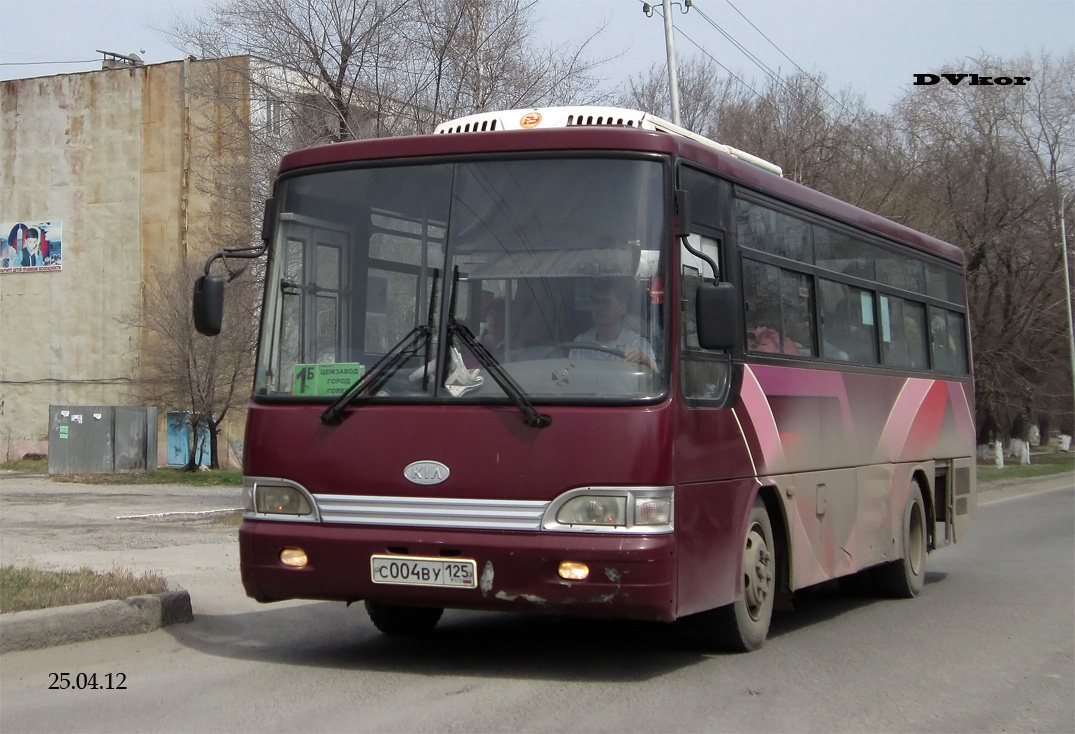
{"points": [[608, 307]]}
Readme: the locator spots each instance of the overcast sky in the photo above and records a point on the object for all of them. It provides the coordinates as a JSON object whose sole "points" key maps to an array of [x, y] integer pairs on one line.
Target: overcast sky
{"points": [[872, 46]]}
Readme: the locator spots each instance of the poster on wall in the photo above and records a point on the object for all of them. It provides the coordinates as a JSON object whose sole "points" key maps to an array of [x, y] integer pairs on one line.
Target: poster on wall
{"points": [[30, 246]]}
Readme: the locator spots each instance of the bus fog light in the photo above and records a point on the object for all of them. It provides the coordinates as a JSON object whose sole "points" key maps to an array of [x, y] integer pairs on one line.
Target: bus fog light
{"points": [[294, 557], [653, 511], [573, 571], [593, 510]]}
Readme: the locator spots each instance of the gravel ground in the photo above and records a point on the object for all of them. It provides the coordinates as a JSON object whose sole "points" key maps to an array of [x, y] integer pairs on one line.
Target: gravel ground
{"points": [[179, 531]]}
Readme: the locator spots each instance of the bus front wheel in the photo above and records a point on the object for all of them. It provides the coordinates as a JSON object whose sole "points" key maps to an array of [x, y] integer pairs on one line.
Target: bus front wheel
{"points": [[743, 625], [396, 620], [903, 579]]}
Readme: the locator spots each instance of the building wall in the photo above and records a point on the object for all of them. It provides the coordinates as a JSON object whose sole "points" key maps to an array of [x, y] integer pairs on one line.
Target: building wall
{"points": [[113, 154]]}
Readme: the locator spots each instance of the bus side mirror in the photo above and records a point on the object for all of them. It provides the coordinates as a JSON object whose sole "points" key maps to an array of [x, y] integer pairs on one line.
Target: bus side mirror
{"points": [[715, 310], [683, 213], [208, 304]]}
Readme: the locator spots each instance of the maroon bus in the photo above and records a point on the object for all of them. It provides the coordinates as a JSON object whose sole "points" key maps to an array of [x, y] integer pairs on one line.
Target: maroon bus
{"points": [[580, 361]]}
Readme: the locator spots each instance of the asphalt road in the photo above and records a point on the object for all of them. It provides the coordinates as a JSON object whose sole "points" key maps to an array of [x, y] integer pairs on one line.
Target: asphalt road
{"points": [[989, 646]]}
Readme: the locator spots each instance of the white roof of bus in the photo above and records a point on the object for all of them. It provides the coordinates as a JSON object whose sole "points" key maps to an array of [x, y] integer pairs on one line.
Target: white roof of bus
{"points": [[552, 117]]}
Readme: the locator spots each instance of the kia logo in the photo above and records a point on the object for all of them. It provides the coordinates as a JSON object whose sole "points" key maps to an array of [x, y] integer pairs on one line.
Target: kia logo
{"points": [[426, 472]]}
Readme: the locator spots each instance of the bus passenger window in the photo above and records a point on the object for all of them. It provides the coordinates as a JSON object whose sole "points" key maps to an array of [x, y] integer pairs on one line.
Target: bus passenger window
{"points": [[849, 327], [778, 310], [835, 321], [903, 333], [797, 301], [948, 340]]}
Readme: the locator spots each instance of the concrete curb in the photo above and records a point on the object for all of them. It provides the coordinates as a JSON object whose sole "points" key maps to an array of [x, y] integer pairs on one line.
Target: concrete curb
{"points": [[40, 628]]}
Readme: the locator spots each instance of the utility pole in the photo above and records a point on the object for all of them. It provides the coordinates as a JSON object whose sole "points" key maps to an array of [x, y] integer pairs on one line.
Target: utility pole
{"points": [[1067, 292], [670, 49]]}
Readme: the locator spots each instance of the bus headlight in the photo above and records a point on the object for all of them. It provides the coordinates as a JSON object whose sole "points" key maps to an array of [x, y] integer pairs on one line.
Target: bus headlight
{"points": [[593, 510], [277, 500], [629, 510]]}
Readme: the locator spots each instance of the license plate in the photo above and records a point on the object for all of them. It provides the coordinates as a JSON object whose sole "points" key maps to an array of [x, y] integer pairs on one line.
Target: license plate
{"points": [[418, 571]]}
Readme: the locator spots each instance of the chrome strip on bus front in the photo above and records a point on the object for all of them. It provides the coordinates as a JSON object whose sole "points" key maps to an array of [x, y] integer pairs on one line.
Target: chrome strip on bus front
{"points": [[431, 512]]}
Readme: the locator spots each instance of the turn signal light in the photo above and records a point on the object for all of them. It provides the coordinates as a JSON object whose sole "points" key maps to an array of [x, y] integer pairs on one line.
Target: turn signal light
{"points": [[573, 571]]}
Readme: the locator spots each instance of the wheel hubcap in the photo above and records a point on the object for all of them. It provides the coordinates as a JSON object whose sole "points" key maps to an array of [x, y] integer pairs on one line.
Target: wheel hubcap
{"points": [[757, 572]]}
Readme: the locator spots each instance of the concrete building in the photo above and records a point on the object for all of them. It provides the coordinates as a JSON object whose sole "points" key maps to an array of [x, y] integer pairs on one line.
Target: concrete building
{"points": [[111, 167]]}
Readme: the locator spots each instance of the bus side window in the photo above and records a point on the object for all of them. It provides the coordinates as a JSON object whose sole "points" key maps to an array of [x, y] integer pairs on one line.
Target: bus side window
{"points": [[797, 298], [948, 340], [863, 327], [835, 321]]}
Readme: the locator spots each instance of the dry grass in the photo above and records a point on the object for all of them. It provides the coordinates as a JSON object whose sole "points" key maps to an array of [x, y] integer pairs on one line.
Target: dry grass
{"points": [[1041, 465], [36, 465], [164, 475], [23, 588]]}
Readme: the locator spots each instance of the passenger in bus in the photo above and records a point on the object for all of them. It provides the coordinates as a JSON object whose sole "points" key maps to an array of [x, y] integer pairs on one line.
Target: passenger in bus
{"points": [[763, 338], [493, 333], [801, 333], [608, 308]]}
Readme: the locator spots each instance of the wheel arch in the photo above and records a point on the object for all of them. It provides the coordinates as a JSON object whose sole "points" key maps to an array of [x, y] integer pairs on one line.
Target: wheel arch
{"points": [[923, 479], [778, 519]]}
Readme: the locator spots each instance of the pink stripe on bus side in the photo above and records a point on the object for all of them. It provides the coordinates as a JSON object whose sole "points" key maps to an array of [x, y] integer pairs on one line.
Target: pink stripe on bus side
{"points": [[763, 422]]}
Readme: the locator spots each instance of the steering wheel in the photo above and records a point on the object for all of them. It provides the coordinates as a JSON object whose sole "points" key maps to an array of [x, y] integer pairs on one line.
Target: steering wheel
{"points": [[593, 346]]}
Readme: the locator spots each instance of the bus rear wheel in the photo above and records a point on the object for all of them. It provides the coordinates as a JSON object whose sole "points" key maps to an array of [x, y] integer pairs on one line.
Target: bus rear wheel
{"points": [[743, 625], [396, 620], [903, 579]]}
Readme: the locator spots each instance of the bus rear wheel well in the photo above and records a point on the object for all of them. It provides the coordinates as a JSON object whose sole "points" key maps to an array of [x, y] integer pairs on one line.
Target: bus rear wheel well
{"points": [[926, 487]]}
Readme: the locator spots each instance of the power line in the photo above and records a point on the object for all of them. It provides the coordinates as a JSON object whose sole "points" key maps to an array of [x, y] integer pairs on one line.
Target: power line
{"points": [[714, 60], [774, 75], [771, 43], [758, 62], [765, 36], [657, 10]]}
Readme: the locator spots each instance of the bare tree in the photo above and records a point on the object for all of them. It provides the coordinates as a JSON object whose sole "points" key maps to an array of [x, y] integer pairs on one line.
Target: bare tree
{"points": [[979, 166], [472, 56], [705, 94], [206, 377], [988, 162], [370, 68]]}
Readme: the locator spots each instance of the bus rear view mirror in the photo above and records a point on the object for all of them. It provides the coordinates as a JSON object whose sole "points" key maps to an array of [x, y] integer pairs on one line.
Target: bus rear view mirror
{"points": [[208, 304], [716, 308]]}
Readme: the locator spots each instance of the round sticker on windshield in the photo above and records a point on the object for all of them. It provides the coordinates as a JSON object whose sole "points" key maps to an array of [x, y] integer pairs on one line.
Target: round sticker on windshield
{"points": [[530, 119]]}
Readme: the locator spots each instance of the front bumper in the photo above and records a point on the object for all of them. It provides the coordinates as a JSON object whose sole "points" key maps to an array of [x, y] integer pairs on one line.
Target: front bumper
{"points": [[631, 576]]}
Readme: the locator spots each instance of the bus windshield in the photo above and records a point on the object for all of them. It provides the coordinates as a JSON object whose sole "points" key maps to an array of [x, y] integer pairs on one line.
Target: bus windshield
{"points": [[553, 264]]}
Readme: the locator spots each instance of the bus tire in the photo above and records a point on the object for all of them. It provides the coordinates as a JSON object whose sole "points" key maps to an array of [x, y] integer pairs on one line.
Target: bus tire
{"points": [[743, 625], [904, 578], [396, 620]]}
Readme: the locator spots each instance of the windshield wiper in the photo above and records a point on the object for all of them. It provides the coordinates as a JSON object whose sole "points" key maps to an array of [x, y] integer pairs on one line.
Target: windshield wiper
{"points": [[492, 365], [378, 375], [417, 340]]}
